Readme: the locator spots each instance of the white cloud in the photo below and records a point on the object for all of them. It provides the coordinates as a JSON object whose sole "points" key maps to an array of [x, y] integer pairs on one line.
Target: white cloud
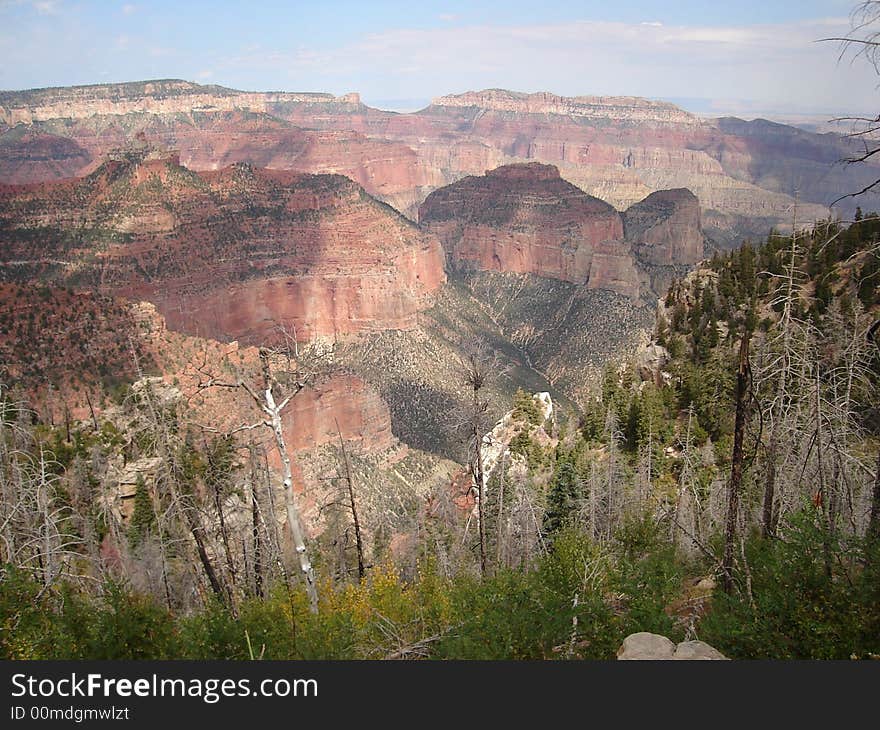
{"points": [[782, 64], [776, 66], [47, 7], [129, 9]]}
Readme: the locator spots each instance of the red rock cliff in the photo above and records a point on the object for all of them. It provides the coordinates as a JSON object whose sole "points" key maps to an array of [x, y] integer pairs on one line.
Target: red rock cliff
{"points": [[520, 218], [664, 228], [230, 254]]}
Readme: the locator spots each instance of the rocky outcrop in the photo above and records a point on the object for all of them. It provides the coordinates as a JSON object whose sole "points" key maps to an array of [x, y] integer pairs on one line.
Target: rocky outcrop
{"points": [[231, 254], [495, 449], [664, 228], [644, 645], [650, 362], [526, 219]]}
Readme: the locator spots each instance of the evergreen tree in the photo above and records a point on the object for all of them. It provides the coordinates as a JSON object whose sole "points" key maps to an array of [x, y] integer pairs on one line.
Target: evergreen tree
{"points": [[563, 498], [143, 519]]}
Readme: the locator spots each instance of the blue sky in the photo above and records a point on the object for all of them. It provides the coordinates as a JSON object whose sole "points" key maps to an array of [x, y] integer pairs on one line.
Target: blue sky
{"points": [[748, 55]]}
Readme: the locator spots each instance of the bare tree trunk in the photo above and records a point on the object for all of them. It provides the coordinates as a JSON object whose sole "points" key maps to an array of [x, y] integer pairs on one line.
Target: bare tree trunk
{"points": [[293, 518], [478, 476], [826, 499], [500, 532], [594, 495], [874, 521], [768, 517], [224, 533], [198, 535], [768, 523], [255, 526], [736, 471], [297, 533], [91, 410], [354, 514]]}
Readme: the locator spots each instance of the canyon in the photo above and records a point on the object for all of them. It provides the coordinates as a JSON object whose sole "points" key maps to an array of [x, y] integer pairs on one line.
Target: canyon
{"points": [[541, 225], [525, 219], [746, 175], [251, 256], [231, 254]]}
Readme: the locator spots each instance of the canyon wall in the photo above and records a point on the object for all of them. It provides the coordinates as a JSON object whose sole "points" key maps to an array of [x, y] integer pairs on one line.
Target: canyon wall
{"points": [[59, 148], [525, 219], [664, 228], [164, 96], [229, 254], [618, 149]]}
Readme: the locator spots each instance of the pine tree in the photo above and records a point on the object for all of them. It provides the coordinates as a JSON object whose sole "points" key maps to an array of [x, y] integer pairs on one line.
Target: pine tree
{"points": [[143, 519], [564, 497]]}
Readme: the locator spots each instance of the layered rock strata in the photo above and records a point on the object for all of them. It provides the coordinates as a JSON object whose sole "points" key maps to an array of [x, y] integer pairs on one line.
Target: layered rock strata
{"points": [[525, 219], [238, 253]]}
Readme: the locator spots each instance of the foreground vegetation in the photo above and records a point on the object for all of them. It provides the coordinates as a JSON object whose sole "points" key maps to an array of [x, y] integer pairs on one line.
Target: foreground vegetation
{"points": [[579, 602], [725, 489]]}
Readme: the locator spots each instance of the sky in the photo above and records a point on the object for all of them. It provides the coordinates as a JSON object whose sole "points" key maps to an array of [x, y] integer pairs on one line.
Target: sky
{"points": [[742, 57]]}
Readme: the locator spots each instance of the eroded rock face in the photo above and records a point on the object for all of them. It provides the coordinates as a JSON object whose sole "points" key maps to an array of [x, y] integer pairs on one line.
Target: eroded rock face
{"points": [[362, 416], [211, 140], [664, 228], [617, 148], [231, 254], [526, 219], [613, 268]]}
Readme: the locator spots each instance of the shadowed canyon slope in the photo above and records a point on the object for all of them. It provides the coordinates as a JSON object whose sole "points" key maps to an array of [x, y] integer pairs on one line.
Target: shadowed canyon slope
{"points": [[618, 149], [231, 254], [79, 356], [235, 254]]}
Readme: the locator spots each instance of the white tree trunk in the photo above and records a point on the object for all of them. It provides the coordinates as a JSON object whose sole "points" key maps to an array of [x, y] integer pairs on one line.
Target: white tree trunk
{"points": [[293, 518]]}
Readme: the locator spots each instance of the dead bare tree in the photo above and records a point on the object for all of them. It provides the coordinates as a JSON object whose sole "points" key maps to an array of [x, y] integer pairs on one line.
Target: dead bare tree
{"points": [[294, 379], [36, 530], [862, 41], [172, 481], [734, 486], [781, 367], [359, 543], [478, 365]]}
